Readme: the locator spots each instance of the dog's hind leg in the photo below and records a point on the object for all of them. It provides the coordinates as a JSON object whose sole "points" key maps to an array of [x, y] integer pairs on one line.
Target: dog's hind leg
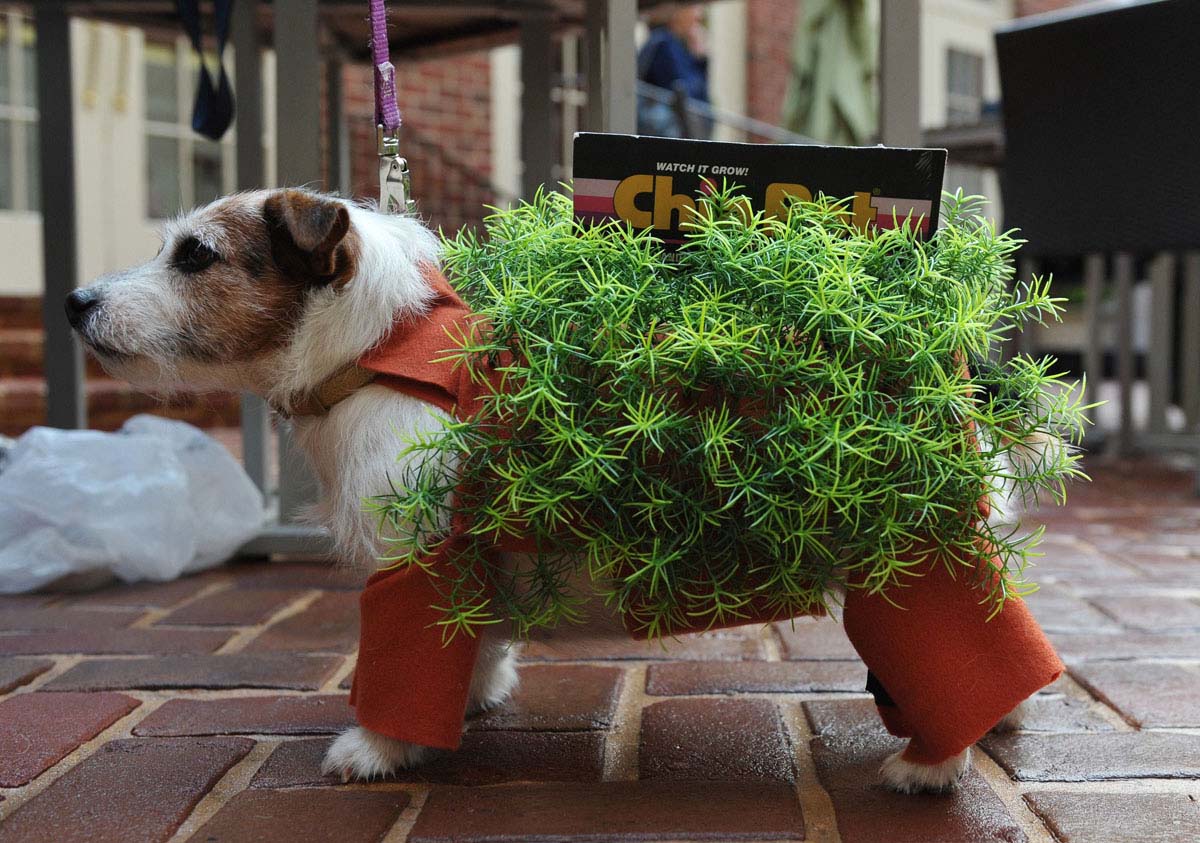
{"points": [[905, 776], [949, 669], [362, 755], [495, 676], [1012, 721]]}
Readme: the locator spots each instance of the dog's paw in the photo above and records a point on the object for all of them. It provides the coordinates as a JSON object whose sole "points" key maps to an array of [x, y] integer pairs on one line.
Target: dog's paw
{"points": [[494, 680], [1012, 721], [905, 776], [363, 755]]}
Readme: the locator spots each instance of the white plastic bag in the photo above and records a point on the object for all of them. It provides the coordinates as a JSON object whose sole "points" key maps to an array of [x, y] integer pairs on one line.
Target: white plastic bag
{"points": [[153, 501]]}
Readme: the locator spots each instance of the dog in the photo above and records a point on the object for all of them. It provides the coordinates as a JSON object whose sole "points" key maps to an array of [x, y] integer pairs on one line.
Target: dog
{"points": [[275, 292]]}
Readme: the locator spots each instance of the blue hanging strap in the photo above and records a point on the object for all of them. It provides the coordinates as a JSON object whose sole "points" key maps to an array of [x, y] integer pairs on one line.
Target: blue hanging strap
{"points": [[213, 111]]}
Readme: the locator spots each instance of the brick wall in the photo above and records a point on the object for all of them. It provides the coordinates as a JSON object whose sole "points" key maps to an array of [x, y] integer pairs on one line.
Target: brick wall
{"points": [[770, 25], [447, 135]]}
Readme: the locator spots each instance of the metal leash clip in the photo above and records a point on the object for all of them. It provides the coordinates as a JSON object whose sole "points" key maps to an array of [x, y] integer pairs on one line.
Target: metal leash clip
{"points": [[395, 181]]}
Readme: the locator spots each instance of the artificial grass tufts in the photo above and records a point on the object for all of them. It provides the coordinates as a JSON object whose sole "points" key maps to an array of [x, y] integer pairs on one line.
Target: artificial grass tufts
{"points": [[732, 429]]}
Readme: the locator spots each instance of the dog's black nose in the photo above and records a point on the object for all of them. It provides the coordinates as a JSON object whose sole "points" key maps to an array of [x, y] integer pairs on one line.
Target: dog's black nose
{"points": [[79, 303]]}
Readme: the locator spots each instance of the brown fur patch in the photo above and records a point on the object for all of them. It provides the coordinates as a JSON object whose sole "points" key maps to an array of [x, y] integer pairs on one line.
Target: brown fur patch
{"points": [[250, 302], [308, 237]]}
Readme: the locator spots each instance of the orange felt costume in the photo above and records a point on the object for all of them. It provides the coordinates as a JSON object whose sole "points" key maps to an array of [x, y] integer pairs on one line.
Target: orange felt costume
{"points": [[948, 674]]}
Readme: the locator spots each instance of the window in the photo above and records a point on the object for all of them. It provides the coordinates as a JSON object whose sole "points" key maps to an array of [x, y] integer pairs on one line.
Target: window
{"points": [[18, 114], [183, 169], [964, 87]]}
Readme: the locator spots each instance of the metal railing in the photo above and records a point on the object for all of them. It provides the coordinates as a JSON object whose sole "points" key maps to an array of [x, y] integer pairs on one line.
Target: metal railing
{"points": [[691, 112], [1125, 318]]}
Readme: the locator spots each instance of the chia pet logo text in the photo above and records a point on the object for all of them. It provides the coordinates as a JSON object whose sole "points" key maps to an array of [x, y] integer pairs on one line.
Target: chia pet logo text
{"points": [[650, 201]]}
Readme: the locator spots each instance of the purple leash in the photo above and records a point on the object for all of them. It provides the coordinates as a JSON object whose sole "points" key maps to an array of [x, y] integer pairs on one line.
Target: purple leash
{"points": [[394, 178]]}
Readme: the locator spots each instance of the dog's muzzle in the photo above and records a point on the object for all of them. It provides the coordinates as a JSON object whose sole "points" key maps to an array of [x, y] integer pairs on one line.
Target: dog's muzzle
{"points": [[79, 304]]}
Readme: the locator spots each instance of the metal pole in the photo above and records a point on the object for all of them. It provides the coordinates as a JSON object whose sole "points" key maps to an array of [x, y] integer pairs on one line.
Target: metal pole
{"points": [[1093, 360], [620, 67], [569, 107], [248, 89], [1159, 363], [1123, 275], [62, 360], [337, 154], [537, 115], [298, 93], [593, 45], [900, 73], [1190, 351], [298, 162]]}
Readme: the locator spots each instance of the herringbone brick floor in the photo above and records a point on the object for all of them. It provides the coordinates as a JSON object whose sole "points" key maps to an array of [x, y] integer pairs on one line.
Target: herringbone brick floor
{"points": [[199, 710]]}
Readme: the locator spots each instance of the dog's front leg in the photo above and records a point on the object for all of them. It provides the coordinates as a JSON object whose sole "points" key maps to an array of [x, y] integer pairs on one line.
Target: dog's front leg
{"points": [[359, 753], [948, 671]]}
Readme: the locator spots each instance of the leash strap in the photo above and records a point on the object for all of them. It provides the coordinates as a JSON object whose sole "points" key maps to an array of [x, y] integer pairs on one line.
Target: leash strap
{"points": [[395, 181], [387, 112], [213, 111]]}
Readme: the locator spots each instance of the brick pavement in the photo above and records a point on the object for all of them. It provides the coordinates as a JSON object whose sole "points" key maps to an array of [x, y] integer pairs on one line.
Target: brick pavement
{"points": [[200, 710]]}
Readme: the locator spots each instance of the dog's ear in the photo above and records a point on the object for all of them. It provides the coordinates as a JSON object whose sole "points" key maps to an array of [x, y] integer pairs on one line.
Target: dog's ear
{"points": [[309, 237]]}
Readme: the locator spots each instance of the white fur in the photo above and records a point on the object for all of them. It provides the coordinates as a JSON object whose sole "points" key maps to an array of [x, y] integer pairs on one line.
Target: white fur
{"points": [[361, 754], [1013, 721], [905, 776], [1037, 449], [353, 450], [340, 325], [495, 676]]}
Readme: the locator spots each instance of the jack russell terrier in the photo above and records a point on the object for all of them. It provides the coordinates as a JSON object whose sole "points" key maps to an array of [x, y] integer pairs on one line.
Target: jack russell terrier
{"points": [[334, 313]]}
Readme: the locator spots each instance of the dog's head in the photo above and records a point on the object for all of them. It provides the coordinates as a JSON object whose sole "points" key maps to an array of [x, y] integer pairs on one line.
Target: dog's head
{"points": [[238, 284]]}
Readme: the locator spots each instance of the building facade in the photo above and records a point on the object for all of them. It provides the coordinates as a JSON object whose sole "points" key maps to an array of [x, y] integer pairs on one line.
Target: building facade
{"points": [[137, 161]]}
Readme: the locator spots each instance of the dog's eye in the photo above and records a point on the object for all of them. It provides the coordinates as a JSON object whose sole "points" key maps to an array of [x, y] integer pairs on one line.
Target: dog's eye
{"points": [[193, 256]]}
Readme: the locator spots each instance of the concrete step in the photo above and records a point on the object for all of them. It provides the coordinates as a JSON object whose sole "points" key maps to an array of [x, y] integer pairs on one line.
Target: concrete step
{"points": [[21, 354], [110, 403]]}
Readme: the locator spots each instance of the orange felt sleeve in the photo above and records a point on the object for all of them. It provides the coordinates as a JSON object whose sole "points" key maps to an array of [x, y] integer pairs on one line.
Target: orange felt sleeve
{"points": [[409, 683], [950, 671]]}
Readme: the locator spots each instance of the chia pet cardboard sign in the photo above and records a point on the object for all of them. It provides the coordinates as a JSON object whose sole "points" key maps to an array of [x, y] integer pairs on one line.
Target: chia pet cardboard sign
{"points": [[652, 182]]}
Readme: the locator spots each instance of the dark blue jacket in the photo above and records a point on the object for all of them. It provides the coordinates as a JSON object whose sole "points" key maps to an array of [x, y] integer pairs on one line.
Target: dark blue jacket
{"points": [[665, 59]]}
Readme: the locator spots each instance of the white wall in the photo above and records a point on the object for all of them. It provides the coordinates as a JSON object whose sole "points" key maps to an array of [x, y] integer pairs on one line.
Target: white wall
{"points": [[110, 161], [110, 149], [966, 25], [21, 245], [110, 174]]}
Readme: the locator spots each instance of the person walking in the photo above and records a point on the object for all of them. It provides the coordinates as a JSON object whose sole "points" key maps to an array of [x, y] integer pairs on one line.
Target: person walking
{"points": [[674, 59]]}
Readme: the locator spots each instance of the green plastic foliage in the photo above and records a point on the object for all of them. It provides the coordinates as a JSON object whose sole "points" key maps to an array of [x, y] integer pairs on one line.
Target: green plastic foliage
{"points": [[728, 431]]}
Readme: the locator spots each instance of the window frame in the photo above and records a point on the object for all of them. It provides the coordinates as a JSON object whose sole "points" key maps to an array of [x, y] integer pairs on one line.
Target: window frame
{"points": [[959, 104], [19, 116]]}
